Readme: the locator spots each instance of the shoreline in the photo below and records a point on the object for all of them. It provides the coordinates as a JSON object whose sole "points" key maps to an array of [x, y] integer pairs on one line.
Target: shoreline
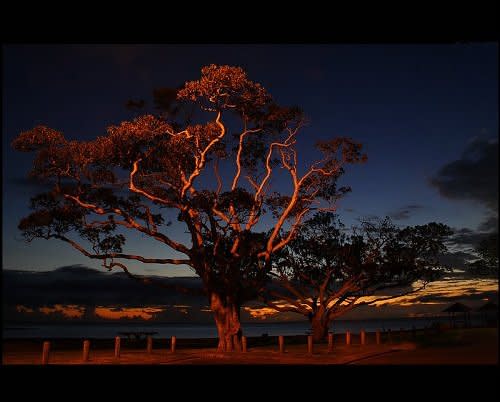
{"points": [[453, 346]]}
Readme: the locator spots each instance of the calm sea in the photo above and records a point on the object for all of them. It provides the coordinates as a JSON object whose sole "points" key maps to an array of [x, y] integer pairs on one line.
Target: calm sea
{"points": [[166, 330]]}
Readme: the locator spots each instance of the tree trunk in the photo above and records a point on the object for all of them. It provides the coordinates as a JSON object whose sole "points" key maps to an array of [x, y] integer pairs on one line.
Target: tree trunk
{"points": [[227, 319], [319, 327]]}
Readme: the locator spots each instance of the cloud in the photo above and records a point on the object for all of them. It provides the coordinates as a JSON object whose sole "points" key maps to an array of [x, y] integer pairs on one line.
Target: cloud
{"points": [[456, 259], [80, 285], [454, 287], [489, 225], [468, 237], [405, 212], [472, 177]]}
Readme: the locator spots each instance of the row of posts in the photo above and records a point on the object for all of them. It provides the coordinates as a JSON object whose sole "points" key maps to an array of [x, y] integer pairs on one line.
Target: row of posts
{"points": [[86, 348], [281, 341], [173, 344]]}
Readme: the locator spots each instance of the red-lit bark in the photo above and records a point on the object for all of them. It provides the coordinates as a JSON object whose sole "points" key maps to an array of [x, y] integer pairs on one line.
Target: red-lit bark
{"points": [[319, 326], [227, 319]]}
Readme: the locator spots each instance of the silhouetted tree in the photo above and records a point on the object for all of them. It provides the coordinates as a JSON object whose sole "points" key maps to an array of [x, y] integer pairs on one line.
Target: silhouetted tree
{"points": [[215, 175], [324, 272], [487, 251]]}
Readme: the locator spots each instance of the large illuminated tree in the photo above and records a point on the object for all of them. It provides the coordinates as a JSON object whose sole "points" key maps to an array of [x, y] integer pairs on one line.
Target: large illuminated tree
{"points": [[218, 176], [324, 272]]}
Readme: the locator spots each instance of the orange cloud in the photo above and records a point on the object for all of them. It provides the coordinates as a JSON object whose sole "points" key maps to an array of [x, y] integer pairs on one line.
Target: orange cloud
{"points": [[260, 312], [113, 313], [24, 309], [69, 311], [445, 288]]}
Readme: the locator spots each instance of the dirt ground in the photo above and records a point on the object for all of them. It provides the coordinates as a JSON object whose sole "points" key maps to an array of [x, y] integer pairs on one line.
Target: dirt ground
{"points": [[462, 346]]}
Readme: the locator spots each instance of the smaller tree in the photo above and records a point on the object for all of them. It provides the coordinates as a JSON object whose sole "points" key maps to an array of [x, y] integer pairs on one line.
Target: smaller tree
{"points": [[487, 251], [324, 272]]}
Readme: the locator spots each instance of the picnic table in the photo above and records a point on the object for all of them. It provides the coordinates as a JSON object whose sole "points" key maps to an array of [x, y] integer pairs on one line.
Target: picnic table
{"points": [[138, 335]]}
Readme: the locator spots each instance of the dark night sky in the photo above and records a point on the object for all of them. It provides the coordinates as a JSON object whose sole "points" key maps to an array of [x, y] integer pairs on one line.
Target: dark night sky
{"points": [[426, 114]]}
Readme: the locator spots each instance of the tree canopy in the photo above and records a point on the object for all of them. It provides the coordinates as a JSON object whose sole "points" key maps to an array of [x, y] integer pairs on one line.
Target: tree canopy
{"points": [[326, 270], [214, 170], [487, 261]]}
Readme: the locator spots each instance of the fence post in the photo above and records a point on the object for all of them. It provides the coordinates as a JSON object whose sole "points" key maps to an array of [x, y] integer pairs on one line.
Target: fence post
{"points": [[330, 343], [281, 342], [46, 352], [173, 344], [244, 343], [377, 336], [236, 344], [363, 337], [86, 350], [310, 344], [347, 338], [117, 347], [150, 344]]}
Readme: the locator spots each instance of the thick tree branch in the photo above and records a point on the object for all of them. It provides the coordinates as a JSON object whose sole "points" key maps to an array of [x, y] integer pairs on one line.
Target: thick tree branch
{"points": [[148, 281], [131, 223], [238, 155], [76, 246], [201, 159], [137, 190]]}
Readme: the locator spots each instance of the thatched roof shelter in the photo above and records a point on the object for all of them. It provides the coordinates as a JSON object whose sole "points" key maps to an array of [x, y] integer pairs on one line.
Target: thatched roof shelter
{"points": [[489, 314], [485, 308], [457, 308]]}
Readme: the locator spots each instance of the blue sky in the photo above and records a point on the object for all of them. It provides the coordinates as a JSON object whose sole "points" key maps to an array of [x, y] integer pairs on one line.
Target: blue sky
{"points": [[415, 108]]}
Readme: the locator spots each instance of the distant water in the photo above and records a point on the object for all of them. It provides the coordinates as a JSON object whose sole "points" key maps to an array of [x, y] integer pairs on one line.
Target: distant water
{"points": [[166, 330]]}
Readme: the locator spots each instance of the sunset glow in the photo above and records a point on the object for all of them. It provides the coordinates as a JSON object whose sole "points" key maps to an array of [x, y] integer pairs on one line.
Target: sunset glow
{"points": [[451, 288], [24, 309], [69, 311], [116, 313], [260, 313]]}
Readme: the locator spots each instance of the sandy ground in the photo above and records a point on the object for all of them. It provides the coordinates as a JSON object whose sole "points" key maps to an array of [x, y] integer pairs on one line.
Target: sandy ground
{"points": [[465, 346]]}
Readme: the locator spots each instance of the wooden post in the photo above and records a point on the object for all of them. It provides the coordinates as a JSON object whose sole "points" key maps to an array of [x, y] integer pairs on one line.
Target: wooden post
{"points": [[230, 347], [389, 336], [173, 344], [377, 336], [363, 337], [310, 344], [150, 344], [86, 350], [330, 343], [46, 352], [347, 338], [237, 345], [281, 342], [117, 347], [244, 343]]}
